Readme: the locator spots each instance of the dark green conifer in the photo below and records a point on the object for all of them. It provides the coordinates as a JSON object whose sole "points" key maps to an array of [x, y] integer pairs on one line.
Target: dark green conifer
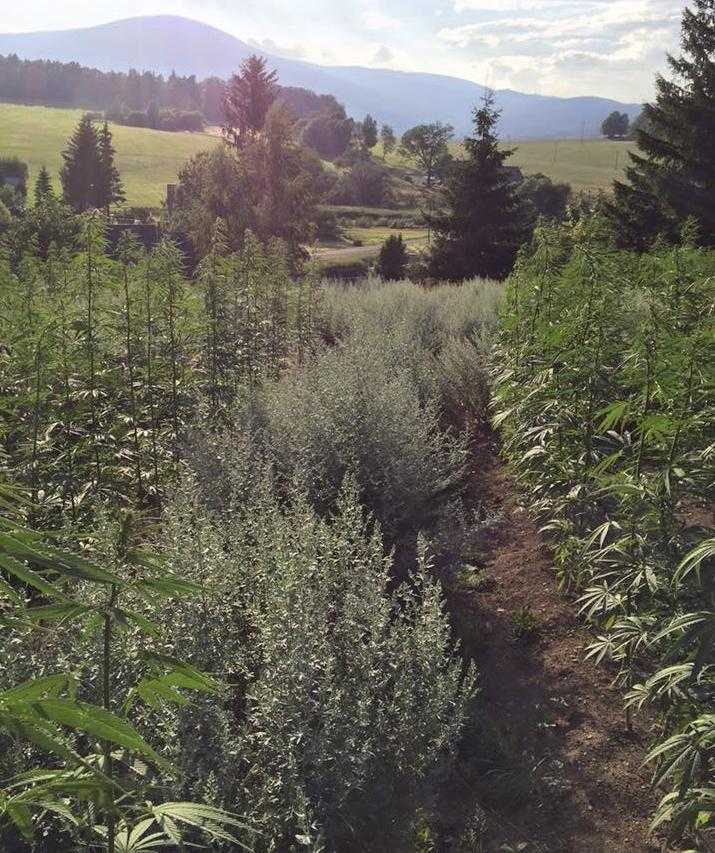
{"points": [[484, 225], [43, 187], [81, 167], [672, 175]]}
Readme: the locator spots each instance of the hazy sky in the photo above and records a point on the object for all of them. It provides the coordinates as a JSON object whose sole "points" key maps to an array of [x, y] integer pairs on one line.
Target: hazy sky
{"points": [[560, 47]]}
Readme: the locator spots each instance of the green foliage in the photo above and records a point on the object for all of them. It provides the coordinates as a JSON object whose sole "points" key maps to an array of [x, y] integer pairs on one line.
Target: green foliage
{"points": [[231, 477], [89, 177], [105, 363], [267, 186], [543, 198], [350, 699], [483, 227], [392, 261], [43, 187], [426, 143], [604, 400], [388, 140], [368, 132], [249, 96], [615, 124], [94, 781], [671, 175]]}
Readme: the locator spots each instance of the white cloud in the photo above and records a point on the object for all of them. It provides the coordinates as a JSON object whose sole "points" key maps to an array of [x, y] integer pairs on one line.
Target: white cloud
{"points": [[383, 55], [376, 20]]}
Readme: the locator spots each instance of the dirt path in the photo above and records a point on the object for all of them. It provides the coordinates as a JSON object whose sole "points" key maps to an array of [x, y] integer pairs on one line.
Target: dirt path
{"points": [[550, 758]]}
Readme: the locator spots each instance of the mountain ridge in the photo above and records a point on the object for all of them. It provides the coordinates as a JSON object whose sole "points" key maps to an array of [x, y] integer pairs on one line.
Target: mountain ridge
{"points": [[165, 43]]}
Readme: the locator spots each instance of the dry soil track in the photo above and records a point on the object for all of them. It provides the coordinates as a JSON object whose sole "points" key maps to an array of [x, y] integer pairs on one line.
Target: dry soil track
{"points": [[565, 775]]}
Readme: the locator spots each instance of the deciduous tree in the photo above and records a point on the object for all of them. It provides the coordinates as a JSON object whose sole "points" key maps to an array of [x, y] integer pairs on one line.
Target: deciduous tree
{"points": [[388, 139], [368, 132], [616, 124], [427, 143]]}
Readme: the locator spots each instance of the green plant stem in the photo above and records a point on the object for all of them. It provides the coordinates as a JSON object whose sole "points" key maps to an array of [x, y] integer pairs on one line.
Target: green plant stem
{"points": [[106, 702]]}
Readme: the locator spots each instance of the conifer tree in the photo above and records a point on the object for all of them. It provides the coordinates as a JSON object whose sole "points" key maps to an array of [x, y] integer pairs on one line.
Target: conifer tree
{"points": [[249, 96], [368, 132], [109, 188], [484, 226], [43, 187], [81, 167], [393, 259], [672, 175], [388, 139]]}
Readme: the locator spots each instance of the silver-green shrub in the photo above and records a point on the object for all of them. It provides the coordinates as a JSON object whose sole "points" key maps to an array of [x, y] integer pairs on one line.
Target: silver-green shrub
{"points": [[347, 696]]}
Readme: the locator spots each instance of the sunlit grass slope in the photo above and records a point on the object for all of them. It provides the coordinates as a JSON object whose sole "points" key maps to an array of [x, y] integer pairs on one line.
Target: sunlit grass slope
{"points": [[147, 159]]}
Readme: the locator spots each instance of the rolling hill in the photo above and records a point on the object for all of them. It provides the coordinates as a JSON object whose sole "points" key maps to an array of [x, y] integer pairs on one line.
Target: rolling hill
{"points": [[148, 160], [164, 43]]}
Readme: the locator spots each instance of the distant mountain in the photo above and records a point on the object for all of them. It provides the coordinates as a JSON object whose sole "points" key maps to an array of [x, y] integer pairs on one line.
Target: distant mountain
{"points": [[164, 43]]}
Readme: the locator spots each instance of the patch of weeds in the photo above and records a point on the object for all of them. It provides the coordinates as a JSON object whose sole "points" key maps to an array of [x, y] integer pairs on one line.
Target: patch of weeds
{"points": [[525, 626], [507, 776], [425, 841], [473, 579], [472, 837]]}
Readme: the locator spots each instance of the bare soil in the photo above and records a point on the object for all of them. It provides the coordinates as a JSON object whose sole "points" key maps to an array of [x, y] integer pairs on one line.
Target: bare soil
{"points": [[550, 764]]}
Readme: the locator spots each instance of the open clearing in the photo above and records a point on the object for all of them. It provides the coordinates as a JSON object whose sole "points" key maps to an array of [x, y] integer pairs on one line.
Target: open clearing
{"points": [[591, 164], [588, 165], [147, 160], [371, 239]]}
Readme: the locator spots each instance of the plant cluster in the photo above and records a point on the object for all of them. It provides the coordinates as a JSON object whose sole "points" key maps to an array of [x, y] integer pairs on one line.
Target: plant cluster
{"points": [[104, 363], [84, 773], [603, 395], [274, 472]]}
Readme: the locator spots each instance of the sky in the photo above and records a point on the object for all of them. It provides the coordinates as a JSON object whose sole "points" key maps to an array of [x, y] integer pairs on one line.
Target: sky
{"points": [[611, 48]]}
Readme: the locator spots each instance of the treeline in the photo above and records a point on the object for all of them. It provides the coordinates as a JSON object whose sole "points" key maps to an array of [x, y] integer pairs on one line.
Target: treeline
{"points": [[126, 97]]}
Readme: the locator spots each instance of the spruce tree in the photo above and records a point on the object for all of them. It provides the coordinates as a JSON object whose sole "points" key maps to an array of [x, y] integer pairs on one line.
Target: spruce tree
{"points": [[109, 188], [484, 225], [249, 96], [368, 132], [672, 176], [392, 262], [81, 167], [43, 187]]}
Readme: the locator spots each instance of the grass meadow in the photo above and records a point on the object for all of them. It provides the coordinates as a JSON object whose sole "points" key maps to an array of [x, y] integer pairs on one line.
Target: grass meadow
{"points": [[148, 160]]}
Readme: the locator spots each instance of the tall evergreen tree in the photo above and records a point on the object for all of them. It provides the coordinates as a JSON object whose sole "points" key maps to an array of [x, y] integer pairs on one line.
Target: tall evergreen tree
{"points": [[80, 170], [109, 188], [672, 176], [368, 132], [43, 187], [249, 96], [484, 225], [388, 139], [392, 262]]}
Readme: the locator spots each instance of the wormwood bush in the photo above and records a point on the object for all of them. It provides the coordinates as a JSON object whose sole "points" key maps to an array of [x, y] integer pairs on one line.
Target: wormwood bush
{"points": [[360, 408], [347, 698], [431, 317], [445, 335]]}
